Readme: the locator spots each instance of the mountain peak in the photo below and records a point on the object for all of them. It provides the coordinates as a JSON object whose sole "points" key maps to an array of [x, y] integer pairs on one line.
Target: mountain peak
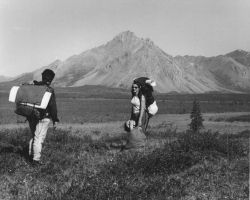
{"points": [[116, 63], [129, 39], [126, 34], [126, 37], [241, 56], [238, 52]]}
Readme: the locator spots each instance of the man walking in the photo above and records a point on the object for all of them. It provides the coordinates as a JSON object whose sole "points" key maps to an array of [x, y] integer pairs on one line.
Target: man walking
{"points": [[40, 126]]}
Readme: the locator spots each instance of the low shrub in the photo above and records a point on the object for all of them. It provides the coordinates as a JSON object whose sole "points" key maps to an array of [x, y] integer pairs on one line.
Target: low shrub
{"points": [[242, 118], [209, 143], [163, 130], [192, 166]]}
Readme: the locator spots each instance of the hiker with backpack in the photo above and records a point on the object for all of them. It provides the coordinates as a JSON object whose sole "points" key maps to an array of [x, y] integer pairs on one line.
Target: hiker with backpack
{"points": [[39, 124], [143, 104], [143, 107]]}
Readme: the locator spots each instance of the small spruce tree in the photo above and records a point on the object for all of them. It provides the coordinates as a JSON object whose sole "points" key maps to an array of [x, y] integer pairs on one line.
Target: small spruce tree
{"points": [[196, 117]]}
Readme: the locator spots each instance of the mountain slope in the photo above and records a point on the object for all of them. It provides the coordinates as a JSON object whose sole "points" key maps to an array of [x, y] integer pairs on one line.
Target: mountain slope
{"points": [[5, 78], [224, 71], [119, 61]]}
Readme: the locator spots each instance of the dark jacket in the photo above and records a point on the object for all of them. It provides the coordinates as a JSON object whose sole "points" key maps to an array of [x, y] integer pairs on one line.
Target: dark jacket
{"points": [[51, 110]]}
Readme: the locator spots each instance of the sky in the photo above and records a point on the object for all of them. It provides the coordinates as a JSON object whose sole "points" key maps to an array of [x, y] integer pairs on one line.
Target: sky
{"points": [[34, 33]]}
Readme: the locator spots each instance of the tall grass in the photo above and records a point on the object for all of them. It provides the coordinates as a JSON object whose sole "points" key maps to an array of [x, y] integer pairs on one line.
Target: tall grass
{"points": [[191, 166]]}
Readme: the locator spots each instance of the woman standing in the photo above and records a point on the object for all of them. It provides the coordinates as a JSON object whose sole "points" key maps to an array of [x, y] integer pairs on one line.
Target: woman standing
{"points": [[143, 104]]}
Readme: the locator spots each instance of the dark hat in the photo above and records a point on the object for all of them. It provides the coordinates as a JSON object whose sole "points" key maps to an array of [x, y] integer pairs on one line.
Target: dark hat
{"points": [[48, 75]]}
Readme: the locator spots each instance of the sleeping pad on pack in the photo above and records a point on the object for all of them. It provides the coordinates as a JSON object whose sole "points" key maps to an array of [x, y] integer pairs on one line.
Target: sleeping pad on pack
{"points": [[36, 96], [29, 99]]}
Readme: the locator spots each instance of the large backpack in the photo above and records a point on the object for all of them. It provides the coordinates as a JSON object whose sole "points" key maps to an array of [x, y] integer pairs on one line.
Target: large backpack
{"points": [[30, 99], [146, 85]]}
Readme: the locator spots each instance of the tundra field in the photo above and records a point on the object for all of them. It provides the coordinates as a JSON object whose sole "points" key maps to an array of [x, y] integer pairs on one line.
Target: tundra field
{"points": [[174, 164]]}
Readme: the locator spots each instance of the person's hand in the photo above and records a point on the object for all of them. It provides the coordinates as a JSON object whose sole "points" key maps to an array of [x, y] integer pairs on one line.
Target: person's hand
{"points": [[55, 125]]}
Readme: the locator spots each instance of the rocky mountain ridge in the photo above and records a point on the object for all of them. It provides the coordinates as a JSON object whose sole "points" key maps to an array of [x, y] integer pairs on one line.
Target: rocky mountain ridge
{"points": [[116, 63]]}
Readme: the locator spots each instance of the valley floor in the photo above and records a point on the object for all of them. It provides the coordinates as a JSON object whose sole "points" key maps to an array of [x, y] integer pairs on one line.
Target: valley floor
{"points": [[216, 122]]}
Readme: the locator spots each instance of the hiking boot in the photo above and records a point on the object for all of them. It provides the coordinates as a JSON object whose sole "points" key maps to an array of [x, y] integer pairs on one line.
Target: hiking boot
{"points": [[118, 144], [36, 163]]}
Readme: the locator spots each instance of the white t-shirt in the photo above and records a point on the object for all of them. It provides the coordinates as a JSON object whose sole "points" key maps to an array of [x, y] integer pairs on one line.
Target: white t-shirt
{"points": [[135, 101]]}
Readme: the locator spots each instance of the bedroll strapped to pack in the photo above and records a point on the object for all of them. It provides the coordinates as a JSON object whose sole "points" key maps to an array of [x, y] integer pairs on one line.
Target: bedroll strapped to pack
{"points": [[29, 99], [27, 111], [145, 83]]}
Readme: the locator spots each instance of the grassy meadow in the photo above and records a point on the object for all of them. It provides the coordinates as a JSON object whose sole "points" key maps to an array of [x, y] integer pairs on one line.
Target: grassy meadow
{"points": [[79, 162], [101, 104]]}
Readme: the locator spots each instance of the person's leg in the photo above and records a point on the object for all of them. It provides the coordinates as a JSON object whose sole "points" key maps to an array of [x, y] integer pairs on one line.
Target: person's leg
{"points": [[32, 125], [145, 121], [133, 122], [148, 118], [40, 134]]}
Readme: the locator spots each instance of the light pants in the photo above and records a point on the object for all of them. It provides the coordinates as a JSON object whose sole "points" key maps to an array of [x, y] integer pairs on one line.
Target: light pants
{"points": [[39, 131]]}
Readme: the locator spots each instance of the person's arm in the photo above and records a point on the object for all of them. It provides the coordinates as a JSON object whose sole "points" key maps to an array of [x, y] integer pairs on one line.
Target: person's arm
{"points": [[53, 108], [142, 110], [131, 114]]}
